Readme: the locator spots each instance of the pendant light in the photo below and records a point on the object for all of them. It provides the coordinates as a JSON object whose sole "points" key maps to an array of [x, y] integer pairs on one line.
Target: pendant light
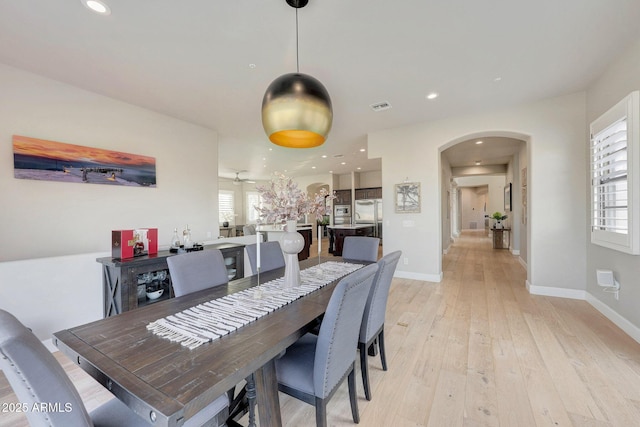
{"points": [[296, 108]]}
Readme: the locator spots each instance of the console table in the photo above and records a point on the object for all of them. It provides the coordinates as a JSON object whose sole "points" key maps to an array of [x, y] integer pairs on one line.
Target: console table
{"points": [[498, 238], [124, 281]]}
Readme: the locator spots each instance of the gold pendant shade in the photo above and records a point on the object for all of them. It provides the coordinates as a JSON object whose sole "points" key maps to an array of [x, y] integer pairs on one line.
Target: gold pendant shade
{"points": [[297, 111]]}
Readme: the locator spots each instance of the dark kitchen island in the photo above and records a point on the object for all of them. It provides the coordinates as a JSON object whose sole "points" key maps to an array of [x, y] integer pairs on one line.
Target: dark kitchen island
{"points": [[337, 233]]}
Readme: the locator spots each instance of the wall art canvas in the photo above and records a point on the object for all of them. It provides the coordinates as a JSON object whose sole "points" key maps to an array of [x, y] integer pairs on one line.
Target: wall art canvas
{"points": [[408, 197], [56, 161]]}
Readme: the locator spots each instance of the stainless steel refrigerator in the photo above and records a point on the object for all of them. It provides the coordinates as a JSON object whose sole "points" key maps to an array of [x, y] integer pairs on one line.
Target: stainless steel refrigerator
{"points": [[369, 211]]}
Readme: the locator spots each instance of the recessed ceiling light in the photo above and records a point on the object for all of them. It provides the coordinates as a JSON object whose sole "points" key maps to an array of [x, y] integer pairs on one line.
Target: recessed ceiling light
{"points": [[313, 167], [432, 95], [358, 168], [343, 163], [497, 79], [330, 171], [478, 142], [324, 156], [362, 150], [270, 149], [252, 66], [97, 6], [477, 162]]}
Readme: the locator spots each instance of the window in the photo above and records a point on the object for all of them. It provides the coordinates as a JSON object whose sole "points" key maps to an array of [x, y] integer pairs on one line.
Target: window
{"points": [[225, 206], [615, 168], [253, 199]]}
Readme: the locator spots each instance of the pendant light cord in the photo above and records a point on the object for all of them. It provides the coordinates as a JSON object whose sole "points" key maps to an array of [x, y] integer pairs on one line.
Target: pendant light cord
{"points": [[297, 54]]}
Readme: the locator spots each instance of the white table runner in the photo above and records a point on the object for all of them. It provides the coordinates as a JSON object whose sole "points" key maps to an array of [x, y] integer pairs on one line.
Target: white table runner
{"points": [[211, 320]]}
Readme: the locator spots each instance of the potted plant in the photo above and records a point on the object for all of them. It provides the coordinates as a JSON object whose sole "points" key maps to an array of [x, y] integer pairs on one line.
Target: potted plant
{"points": [[499, 217]]}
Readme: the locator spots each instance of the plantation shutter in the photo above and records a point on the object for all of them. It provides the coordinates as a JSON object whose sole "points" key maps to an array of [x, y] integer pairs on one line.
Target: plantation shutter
{"points": [[615, 167], [225, 205], [609, 172]]}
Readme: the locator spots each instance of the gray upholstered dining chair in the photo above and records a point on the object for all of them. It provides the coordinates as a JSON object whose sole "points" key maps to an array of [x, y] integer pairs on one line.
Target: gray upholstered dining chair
{"points": [[249, 230], [195, 271], [271, 256], [372, 328], [38, 380], [314, 366], [360, 248]]}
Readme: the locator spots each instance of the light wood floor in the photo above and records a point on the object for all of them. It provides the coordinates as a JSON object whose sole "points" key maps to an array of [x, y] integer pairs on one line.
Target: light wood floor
{"points": [[477, 350]]}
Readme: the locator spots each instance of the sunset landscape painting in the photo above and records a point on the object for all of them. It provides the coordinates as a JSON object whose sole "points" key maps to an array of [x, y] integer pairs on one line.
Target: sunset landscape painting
{"points": [[56, 161]]}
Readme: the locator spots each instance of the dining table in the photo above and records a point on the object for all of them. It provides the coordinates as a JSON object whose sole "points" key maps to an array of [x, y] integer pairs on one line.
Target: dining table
{"points": [[166, 382]]}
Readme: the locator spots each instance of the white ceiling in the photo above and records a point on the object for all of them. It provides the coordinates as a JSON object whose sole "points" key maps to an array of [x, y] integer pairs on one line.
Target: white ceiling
{"points": [[190, 59]]}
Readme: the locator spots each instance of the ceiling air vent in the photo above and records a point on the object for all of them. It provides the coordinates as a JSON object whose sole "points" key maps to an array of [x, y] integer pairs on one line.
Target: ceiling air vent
{"points": [[380, 106]]}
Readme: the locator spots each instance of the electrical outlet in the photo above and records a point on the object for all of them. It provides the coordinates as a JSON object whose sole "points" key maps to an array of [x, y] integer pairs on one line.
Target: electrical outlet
{"points": [[406, 261]]}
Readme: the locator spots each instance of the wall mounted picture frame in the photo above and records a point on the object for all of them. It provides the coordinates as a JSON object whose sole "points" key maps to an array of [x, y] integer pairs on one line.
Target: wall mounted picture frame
{"points": [[44, 160], [507, 198], [407, 197]]}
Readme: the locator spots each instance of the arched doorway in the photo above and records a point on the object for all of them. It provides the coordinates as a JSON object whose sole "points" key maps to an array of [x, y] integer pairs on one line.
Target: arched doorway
{"points": [[481, 174]]}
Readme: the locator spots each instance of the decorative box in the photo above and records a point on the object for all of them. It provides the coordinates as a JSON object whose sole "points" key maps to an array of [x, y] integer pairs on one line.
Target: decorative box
{"points": [[133, 243]]}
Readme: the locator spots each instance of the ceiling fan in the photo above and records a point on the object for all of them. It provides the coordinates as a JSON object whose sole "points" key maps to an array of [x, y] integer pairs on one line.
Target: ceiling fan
{"points": [[238, 181]]}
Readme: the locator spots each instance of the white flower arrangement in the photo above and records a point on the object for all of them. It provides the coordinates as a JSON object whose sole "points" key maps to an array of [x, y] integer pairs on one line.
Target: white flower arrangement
{"points": [[283, 201]]}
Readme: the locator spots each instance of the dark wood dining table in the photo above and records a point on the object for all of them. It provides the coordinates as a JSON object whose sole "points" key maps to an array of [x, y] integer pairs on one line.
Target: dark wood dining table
{"points": [[164, 381]]}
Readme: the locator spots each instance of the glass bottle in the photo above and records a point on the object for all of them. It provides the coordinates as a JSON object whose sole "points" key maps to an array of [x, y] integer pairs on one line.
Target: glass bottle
{"points": [[175, 240], [186, 238]]}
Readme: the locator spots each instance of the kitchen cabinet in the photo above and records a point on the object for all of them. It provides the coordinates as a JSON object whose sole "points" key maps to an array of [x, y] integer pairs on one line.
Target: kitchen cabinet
{"points": [[368, 193], [343, 197], [125, 281]]}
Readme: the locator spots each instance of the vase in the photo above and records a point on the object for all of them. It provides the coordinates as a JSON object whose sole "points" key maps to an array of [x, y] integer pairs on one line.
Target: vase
{"points": [[499, 225], [291, 243]]}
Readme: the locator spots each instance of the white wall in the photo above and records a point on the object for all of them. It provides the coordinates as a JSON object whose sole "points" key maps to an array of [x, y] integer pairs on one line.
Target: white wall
{"points": [[370, 179], [521, 215], [473, 201], [47, 218], [61, 228], [620, 78], [446, 206], [555, 131]]}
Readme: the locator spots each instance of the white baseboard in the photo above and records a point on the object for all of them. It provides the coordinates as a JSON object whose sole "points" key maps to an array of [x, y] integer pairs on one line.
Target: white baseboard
{"points": [[515, 252], [418, 276], [629, 328], [523, 263], [556, 292]]}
